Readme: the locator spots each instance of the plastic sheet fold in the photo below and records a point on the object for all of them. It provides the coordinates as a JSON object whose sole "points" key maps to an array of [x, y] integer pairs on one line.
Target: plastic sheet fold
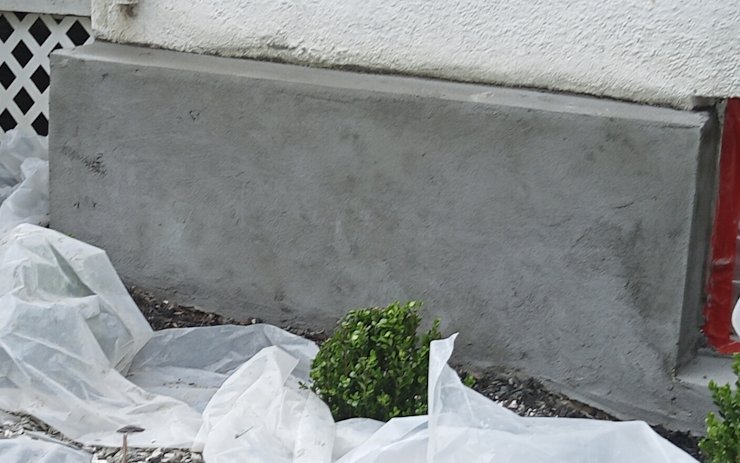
{"points": [[24, 181], [26, 450]]}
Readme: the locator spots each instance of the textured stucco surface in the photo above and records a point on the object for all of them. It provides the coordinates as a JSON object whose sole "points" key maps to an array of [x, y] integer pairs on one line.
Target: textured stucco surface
{"points": [[554, 232], [664, 52]]}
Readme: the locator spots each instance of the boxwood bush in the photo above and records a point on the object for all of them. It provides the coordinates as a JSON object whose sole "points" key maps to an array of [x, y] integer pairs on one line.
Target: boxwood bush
{"points": [[722, 443], [375, 365]]}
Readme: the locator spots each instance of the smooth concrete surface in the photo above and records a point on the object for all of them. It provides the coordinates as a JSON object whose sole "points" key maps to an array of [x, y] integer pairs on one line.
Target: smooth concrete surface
{"points": [[565, 236], [707, 367], [676, 53]]}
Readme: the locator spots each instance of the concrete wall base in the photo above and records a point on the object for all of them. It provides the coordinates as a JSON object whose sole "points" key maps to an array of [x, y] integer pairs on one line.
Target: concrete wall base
{"points": [[562, 235]]}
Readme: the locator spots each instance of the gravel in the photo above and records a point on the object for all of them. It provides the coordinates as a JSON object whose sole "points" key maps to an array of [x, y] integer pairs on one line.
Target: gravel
{"points": [[15, 425], [524, 395]]}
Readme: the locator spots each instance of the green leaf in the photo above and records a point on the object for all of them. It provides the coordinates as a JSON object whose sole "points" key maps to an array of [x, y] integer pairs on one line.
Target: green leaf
{"points": [[375, 365], [722, 442]]}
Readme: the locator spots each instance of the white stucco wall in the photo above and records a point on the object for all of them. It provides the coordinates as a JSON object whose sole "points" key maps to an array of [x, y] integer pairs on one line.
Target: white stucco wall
{"points": [[659, 51]]}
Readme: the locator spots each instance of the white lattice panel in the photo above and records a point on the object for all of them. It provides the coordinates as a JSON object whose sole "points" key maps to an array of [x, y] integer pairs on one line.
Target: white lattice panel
{"points": [[26, 40]]}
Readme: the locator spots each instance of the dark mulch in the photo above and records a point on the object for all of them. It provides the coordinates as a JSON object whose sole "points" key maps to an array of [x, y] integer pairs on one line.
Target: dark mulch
{"points": [[524, 395], [163, 313], [529, 397]]}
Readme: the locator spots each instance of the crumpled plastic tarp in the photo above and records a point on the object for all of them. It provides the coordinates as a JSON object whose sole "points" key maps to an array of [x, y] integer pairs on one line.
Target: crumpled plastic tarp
{"points": [[76, 352], [24, 180], [26, 450]]}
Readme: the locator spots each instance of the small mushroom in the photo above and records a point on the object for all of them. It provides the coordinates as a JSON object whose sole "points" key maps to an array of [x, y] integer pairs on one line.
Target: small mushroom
{"points": [[126, 430]]}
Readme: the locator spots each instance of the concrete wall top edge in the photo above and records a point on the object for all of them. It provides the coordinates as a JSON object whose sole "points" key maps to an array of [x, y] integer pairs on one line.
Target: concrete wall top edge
{"points": [[429, 88]]}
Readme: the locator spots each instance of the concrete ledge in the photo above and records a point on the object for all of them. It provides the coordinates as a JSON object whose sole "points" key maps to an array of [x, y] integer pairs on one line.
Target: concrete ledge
{"points": [[707, 367], [562, 235]]}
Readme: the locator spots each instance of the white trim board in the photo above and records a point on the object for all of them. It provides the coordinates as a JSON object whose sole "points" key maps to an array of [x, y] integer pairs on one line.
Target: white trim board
{"points": [[61, 7]]}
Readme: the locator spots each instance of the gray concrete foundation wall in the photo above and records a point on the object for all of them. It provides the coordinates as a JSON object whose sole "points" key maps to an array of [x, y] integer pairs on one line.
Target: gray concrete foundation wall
{"points": [[562, 235]]}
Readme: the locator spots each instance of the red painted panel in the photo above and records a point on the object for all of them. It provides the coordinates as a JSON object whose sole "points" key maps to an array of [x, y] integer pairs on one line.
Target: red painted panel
{"points": [[718, 310]]}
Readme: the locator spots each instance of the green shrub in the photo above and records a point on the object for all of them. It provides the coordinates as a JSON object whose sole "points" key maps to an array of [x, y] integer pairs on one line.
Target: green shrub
{"points": [[375, 365], [722, 443]]}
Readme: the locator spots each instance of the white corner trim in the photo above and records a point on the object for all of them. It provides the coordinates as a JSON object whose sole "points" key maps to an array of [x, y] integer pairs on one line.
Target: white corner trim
{"points": [[61, 7]]}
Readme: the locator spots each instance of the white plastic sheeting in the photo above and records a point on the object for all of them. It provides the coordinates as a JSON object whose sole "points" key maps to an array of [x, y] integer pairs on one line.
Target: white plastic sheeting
{"points": [[77, 353], [25, 450], [24, 181], [68, 333]]}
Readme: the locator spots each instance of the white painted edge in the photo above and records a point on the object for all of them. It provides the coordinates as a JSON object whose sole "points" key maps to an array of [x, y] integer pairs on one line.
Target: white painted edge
{"points": [[60, 7]]}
